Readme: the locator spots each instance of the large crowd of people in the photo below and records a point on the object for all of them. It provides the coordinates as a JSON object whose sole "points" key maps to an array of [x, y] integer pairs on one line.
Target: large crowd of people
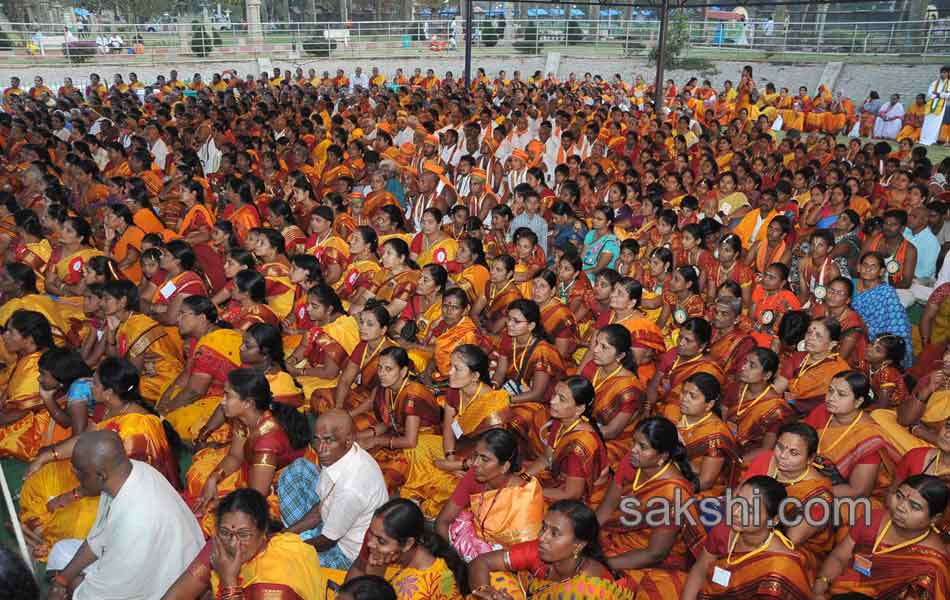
{"points": [[306, 337]]}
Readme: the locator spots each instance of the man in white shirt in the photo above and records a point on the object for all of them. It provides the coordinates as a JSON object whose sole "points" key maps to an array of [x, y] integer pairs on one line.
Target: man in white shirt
{"points": [[359, 80], [208, 152], [156, 145], [331, 506], [144, 535]]}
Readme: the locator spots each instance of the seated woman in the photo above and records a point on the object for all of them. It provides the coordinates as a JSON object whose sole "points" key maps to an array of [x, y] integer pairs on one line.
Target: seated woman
{"points": [[24, 420], [33, 248], [753, 410], [852, 449], [471, 406], [494, 504], [576, 291], [556, 317], [501, 291], [416, 562], [804, 377], [265, 437], [573, 459], [64, 277], [876, 302], [181, 282], [618, 391], [155, 350], [249, 302], [730, 268], [710, 444], [399, 276], [473, 275], [791, 464], [358, 379], [656, 468], [124, 241], [53, 503], [406, 438], [422, 311], [359, 277], [63, 372], [909, 560], [211, 353], [238, 259], [242, 561], [885, 358], [453, 329], [527, 365], [681, 299], [928, 461], [770, 566], [770, 300], [529, 259], [432, 245], [565, 558], [275, 267], [920, 417], [690, 356], [854, 336]]}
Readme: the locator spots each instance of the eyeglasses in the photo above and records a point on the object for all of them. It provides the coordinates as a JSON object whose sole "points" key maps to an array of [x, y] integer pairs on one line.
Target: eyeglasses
{"points": [[242, 535]]}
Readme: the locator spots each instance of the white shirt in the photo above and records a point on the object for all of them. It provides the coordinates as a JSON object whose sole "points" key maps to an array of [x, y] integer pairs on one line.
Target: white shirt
{"points": [[210, 156], [159, 152], [361, 81], [351, 489], [144, 539]]}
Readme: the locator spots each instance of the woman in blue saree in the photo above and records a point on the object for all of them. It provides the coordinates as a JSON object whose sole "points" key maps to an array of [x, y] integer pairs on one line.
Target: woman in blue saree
{"points": [[601, 247], [878, 304]]}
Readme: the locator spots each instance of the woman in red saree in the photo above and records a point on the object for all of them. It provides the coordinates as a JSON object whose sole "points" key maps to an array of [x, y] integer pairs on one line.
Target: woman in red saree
{"points": [[576, 291], [805, 375], [556, 317], [573, 460], [281, 292], [710, 444], [854, 332], [750, 559], [281, 218], [897, 555], [181, 282], [929, 461], [528, 365], [399, 277], [618, 391], [358, 378], [752, 408], [770, 300], [730, 268], [656, 468], [248, 302], [681, 300], [499, 293], [673, 368]]}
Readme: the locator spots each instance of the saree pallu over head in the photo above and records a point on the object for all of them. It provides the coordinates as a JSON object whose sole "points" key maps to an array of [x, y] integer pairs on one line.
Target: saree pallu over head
{"points": [[766, 575], [72, 268]]}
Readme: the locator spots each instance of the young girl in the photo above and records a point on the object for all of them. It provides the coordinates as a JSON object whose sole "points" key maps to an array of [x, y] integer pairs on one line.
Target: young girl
{"points": [[770, 300], [816, 270], [885, 359]]}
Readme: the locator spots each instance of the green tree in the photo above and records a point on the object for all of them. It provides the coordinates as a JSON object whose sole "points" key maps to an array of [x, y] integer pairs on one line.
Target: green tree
{"points": [[677, 40]]}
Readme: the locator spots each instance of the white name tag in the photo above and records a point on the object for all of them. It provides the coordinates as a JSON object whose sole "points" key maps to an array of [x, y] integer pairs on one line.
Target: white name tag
{"points": [[721, 577], [167, 290], [457, 429]]}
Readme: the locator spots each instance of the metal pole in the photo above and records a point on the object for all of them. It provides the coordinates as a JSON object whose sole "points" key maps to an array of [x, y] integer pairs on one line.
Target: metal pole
{"points": [[469, 26], [15, 520], [660, 59]]}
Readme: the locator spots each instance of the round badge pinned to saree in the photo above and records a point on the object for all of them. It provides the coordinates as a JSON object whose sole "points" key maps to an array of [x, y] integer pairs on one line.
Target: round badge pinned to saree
{"points": [[893, 267], [768, 317], [680, 315], [820, 292]]}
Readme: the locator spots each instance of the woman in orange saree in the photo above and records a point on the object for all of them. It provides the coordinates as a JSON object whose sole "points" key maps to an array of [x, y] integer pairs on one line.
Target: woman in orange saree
{"points": [[770, 566], [155, 350], [360, 276], [854, 332], [909, 560], [280, 291], [852, 448], [752, 408], [378, 197], [619, 392], [432, 245], [266, 436], [473, 275], [32, 248], [406, 439], [401, 275], [358, 379], [500, 292], [675, 366], [52, 501], [124, 241], [241, 210], [24, 420], [331, 250], [805, 376], [527, 366], [731, 339], [452, 330], [710, 445], [556, 316], [573, 458], [422, 312], [770, 300], [655, 469], [69, 259], [494, 504], [565, 562]]}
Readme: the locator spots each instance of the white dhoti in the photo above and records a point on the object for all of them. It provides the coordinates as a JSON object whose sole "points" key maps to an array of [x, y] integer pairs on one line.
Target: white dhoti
{"points": [[936, 115], [931, 129], [889, 122]]}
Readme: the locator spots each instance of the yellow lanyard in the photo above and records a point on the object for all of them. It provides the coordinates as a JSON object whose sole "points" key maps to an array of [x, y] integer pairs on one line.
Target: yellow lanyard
{"points": [[739, 411], [462, 406], [774, 475], [636, 480], [368, 357], [732, 546], [805, 366], [895, 547], [685, 426], [607, 378], [566, 430], [392, 403], [821, 438], [677, 362], [518, 364], [501, 289]]}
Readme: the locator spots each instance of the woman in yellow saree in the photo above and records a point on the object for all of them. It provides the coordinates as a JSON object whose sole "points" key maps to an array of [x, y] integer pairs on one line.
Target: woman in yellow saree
{"points": [[474, 275], [322, 354], [400, 276], [565, 561], [406, 439], [771, 568], [331, 250], [69, 259], [242, 561], [422, 312], [378, 197], [452, 330], [690, 356], [359, 277], [432, 244], [32, 249], [573, 459], [499, 293], [212, 353], [155, 350], [656, 467], [494, 503], [420, 565], [275, 267], [24, 420], [619, 392], [710, 444], [52, 501], [752, 408]]}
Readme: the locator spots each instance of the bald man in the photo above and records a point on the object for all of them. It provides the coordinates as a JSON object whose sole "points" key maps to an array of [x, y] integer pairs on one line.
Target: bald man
{"points": [[144, 535], [330, 504]]}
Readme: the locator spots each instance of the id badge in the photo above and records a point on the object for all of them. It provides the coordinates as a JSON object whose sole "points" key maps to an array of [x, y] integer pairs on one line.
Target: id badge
{"points": [[862, 564], [168, 289], [721, 576], [457, 429]]}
